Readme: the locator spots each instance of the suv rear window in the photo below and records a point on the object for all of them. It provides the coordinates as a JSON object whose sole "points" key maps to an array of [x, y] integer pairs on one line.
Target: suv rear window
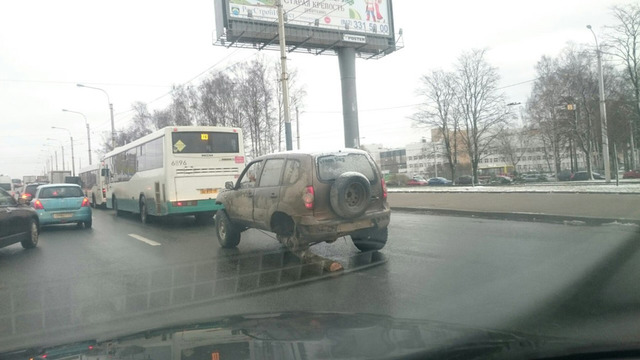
{"points": [[60, 192], [332, 166]]}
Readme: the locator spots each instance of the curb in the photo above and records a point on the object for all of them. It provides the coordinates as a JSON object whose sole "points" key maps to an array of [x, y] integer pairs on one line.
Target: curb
{"points": [[520, 216]]}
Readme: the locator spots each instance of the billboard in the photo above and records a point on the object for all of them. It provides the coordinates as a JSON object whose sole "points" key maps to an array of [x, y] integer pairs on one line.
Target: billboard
{"points": [[318, 25], [357, 16]]}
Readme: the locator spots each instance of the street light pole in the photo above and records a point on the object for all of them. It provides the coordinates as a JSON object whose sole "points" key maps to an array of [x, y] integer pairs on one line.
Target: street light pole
{"points": [[603, 113], [88, 131], [62, 148], [113, 128], [73, 159], [284, 77]]}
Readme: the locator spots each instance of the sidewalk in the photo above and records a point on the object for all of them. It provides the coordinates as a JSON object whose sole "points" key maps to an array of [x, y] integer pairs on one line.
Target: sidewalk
{"points": [[592, 208]]}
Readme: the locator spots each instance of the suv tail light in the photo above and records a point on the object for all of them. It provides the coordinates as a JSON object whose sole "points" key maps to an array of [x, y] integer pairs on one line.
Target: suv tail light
{"points": [[384, 188], [104, 193], [308, 197], [38, 205], [85, 202]]}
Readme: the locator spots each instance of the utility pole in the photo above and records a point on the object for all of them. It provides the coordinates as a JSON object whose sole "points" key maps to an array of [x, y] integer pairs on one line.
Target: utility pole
{"points": [[298, 128], [284, 77], [603, 113]]}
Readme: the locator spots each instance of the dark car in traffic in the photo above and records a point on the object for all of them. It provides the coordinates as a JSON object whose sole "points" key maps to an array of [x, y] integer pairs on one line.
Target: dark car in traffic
{"points": [[436, 181], [584, 175], [464, 180], [18, 222]]}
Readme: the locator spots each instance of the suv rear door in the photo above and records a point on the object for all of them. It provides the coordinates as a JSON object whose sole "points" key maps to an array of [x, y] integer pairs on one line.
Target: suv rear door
{"points": [[328, 170]]}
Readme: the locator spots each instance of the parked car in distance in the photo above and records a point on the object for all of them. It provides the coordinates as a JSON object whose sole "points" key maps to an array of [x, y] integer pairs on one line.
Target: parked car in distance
{"points": [[307, 198], [417, 181], [18, 222], [62, 204], [532, 177], [564, 175], [464, 180], [502, 180], [632, 174], [439, 181], [584, 175]]}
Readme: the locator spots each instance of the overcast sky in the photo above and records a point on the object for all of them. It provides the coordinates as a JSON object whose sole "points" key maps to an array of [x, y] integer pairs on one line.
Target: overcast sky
{"points": [[136, 50]]}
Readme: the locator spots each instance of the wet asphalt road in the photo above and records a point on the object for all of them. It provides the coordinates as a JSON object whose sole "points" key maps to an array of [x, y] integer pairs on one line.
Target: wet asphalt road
{"points": [[122, 276]]}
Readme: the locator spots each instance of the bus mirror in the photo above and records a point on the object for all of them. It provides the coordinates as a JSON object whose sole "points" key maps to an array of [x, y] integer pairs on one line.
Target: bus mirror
{"points": [[228, 185]]}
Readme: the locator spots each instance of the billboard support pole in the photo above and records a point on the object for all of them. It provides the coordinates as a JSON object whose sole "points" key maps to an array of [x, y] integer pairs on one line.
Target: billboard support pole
{"points": [[347, 62], [284, 78]]}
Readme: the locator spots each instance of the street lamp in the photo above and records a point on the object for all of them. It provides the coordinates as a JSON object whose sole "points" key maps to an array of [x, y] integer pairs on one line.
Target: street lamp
{"points": [[88, 131], [603, 113], [73, 159], [62, 148], [55, 153], [113, 128]]}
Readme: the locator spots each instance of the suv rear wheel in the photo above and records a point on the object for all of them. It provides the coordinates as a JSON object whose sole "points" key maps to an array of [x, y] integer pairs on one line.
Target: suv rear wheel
{"points": [[228, 234], [370, 239], [350, 195]]}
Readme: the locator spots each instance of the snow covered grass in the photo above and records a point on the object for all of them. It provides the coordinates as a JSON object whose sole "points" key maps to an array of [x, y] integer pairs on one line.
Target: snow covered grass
{"points": [[597, 186]]}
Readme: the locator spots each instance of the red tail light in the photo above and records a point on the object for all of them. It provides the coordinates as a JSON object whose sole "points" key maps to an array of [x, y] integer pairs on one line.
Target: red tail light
{"points": [[384, 188], [104, 193], [309, 197], [26, 195], [38, 205], [85, 202]]}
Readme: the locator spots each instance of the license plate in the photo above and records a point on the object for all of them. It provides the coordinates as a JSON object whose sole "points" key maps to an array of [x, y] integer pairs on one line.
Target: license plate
{"points": [[62, 215], [355, 225], [208, 191]]}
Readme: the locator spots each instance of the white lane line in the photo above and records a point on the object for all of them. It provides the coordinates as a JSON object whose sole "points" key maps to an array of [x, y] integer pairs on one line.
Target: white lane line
{"points": [[145, 240]]}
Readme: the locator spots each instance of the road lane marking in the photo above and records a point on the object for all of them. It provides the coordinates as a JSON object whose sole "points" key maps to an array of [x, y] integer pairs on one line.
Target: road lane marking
{"points": [[145, 240]]}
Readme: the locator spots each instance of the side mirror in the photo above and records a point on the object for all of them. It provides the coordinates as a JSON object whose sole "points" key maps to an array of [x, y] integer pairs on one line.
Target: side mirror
{"points": [[228, 185]]}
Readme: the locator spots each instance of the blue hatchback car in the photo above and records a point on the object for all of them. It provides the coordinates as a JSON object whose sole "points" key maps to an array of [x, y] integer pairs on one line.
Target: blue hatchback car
{"points": [[62, 204]]}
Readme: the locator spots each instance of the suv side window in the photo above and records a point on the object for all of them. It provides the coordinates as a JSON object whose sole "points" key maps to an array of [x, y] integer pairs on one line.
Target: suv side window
{"points": [[250, 176], [271, 173], [291, 172]]}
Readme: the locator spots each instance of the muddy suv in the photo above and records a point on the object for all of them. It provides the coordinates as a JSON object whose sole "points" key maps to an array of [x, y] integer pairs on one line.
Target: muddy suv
{"points": [[307, 198]]}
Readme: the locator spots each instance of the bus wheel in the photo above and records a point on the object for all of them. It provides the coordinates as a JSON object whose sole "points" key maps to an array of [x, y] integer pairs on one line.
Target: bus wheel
{"points": [[144, 216]]}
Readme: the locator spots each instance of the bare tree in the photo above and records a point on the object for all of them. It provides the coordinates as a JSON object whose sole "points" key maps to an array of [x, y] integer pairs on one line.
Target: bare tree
{"points": [[542, 108], [623, 41], [438, 111], [482, 107], [513, 143], [180, 108]]}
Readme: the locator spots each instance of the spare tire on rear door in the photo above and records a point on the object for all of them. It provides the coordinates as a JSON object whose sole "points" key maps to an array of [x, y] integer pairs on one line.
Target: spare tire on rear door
{"points": [[350, 195]]}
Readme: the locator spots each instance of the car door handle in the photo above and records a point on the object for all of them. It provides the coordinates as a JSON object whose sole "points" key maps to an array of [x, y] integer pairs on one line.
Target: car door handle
{"points": [[250, 194], [274, 195]]}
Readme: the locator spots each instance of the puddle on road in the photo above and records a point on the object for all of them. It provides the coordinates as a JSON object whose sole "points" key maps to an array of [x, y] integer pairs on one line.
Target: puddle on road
{"points": [[42, 308]]}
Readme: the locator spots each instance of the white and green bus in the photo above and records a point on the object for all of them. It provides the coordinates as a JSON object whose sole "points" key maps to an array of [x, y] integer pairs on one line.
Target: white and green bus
{"points": [[178, 170], [93, 180]]}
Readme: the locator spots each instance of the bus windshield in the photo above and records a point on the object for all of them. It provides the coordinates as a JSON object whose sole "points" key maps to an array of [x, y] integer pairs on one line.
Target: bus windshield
{"points": [[204, 142]]}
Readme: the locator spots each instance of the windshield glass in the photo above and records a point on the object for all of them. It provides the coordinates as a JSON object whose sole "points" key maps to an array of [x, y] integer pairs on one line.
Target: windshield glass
{"points": [[60, 192], [332, 166], [204, 142]]}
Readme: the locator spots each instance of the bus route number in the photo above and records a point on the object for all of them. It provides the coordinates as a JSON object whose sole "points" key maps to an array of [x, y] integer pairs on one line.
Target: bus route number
{"points": [[179, 163]]}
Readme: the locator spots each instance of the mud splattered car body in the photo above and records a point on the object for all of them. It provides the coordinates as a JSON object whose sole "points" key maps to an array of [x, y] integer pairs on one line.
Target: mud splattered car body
{"points": [[307, 198]]}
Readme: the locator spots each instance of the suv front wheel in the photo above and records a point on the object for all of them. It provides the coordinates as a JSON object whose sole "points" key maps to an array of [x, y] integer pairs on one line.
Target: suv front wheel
{"points": [[370, 239], [227, 232]]}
